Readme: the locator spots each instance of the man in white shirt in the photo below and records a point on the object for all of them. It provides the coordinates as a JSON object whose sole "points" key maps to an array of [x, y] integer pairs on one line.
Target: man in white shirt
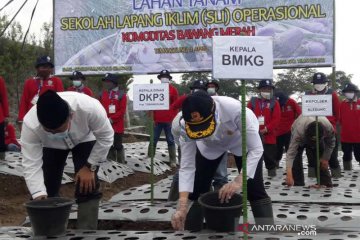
{"points": [[60, 123], [210, 127]]}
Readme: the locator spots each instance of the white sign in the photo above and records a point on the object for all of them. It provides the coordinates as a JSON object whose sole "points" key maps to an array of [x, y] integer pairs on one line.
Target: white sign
{"points": [[317, 105], [242, 57], [151, 97]]}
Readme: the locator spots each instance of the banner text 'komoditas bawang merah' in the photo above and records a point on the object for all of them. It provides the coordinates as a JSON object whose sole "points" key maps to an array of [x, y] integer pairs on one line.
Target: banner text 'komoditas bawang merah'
{"points": [[146, 36]]}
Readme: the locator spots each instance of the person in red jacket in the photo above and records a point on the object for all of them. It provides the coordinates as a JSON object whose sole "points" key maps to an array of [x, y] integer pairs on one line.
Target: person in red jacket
{"points": [[78, 80], [350, 125], [35, 86], [163, 119], [12, 145], [290, 110], [267, 111], [320, 83], [4, 113], [114, 101], [194, 87]]}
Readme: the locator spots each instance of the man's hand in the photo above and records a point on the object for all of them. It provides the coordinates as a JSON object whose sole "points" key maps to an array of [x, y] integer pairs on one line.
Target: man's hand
{"points": [[264, 131], [86, 180], [229, 189], [42, 197], [179, 217], [324, 164], [289, 178]]}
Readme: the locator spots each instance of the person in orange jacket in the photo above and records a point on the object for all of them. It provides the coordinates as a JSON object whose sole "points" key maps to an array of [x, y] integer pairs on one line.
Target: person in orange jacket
{"points": [[35, 86], [4, 113], [267, 111], [114, 101], [350, 125], [78, 85], [290, 110], [12, 145], [164, 118]]}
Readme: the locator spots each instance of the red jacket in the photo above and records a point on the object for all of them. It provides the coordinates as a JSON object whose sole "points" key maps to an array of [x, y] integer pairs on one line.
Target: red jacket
{"points": [[289, 112], [34, 86], [177, 105], [10, 136], [117, 114], [335, 107], [166, 116], [4, 105], [272, 117], [83, 89], [350, 121]]}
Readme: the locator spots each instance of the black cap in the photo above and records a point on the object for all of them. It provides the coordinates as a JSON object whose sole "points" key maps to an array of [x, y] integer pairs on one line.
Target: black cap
{"points": [[164, 73], [198, 112], [265, 83], [44, 60], [77, 75], [319, 78], [213, 81], [198, 84], [111, 77], [52, 110], [350, 88]]}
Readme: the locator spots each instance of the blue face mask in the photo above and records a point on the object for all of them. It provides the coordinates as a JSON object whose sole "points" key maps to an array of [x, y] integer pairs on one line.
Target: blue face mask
{"points": [[58, 136]]}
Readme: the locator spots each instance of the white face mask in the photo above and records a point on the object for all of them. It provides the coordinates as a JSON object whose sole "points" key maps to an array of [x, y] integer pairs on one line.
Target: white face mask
{"points": [[58, 136], [211, 91], [349, 95], [77, 83], [320, 87], [265, 95], [164, 80]]}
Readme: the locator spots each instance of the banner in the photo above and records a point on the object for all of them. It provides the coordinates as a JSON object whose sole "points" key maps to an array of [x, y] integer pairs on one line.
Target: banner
{"points": [[242, 57], [146, 36]]}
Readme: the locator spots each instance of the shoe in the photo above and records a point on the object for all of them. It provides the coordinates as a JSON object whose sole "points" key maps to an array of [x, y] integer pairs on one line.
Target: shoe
{"points": [[262, 211], [88, 214], [347, 165], [172, 156], [311, 172], [336, 172], [272, 172]]}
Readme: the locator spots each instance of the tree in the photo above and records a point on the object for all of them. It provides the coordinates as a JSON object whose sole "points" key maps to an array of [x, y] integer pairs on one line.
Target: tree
{"points": [[294, 80], [341, 79]]}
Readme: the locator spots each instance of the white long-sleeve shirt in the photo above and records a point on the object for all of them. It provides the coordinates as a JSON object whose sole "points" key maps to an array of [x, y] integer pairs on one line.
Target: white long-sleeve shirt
{"points": [[88, 123], [227, 137]]}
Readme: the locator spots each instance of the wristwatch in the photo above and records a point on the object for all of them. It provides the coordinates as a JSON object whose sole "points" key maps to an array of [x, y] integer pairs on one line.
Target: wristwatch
{"points": [[91, 167]]}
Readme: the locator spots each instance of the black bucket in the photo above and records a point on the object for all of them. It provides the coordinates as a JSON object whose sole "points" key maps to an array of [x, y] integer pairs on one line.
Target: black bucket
{"points": [[49, 217], [221, 217]]}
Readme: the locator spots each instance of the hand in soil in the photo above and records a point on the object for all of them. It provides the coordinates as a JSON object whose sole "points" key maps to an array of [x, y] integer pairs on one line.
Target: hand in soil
{"points": [[228, 190], [178, 219]]}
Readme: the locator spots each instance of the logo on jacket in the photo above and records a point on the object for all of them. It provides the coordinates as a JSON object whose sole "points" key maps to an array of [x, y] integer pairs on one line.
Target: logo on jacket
{"points": [[289, 108], [49, 83]]}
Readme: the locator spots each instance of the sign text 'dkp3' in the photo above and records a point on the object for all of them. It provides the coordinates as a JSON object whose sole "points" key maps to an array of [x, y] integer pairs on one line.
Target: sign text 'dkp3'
{"points": [[151, 97]]}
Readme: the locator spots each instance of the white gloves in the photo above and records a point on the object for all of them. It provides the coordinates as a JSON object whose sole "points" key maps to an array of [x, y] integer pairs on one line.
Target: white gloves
{"points": [[179, 217]]}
